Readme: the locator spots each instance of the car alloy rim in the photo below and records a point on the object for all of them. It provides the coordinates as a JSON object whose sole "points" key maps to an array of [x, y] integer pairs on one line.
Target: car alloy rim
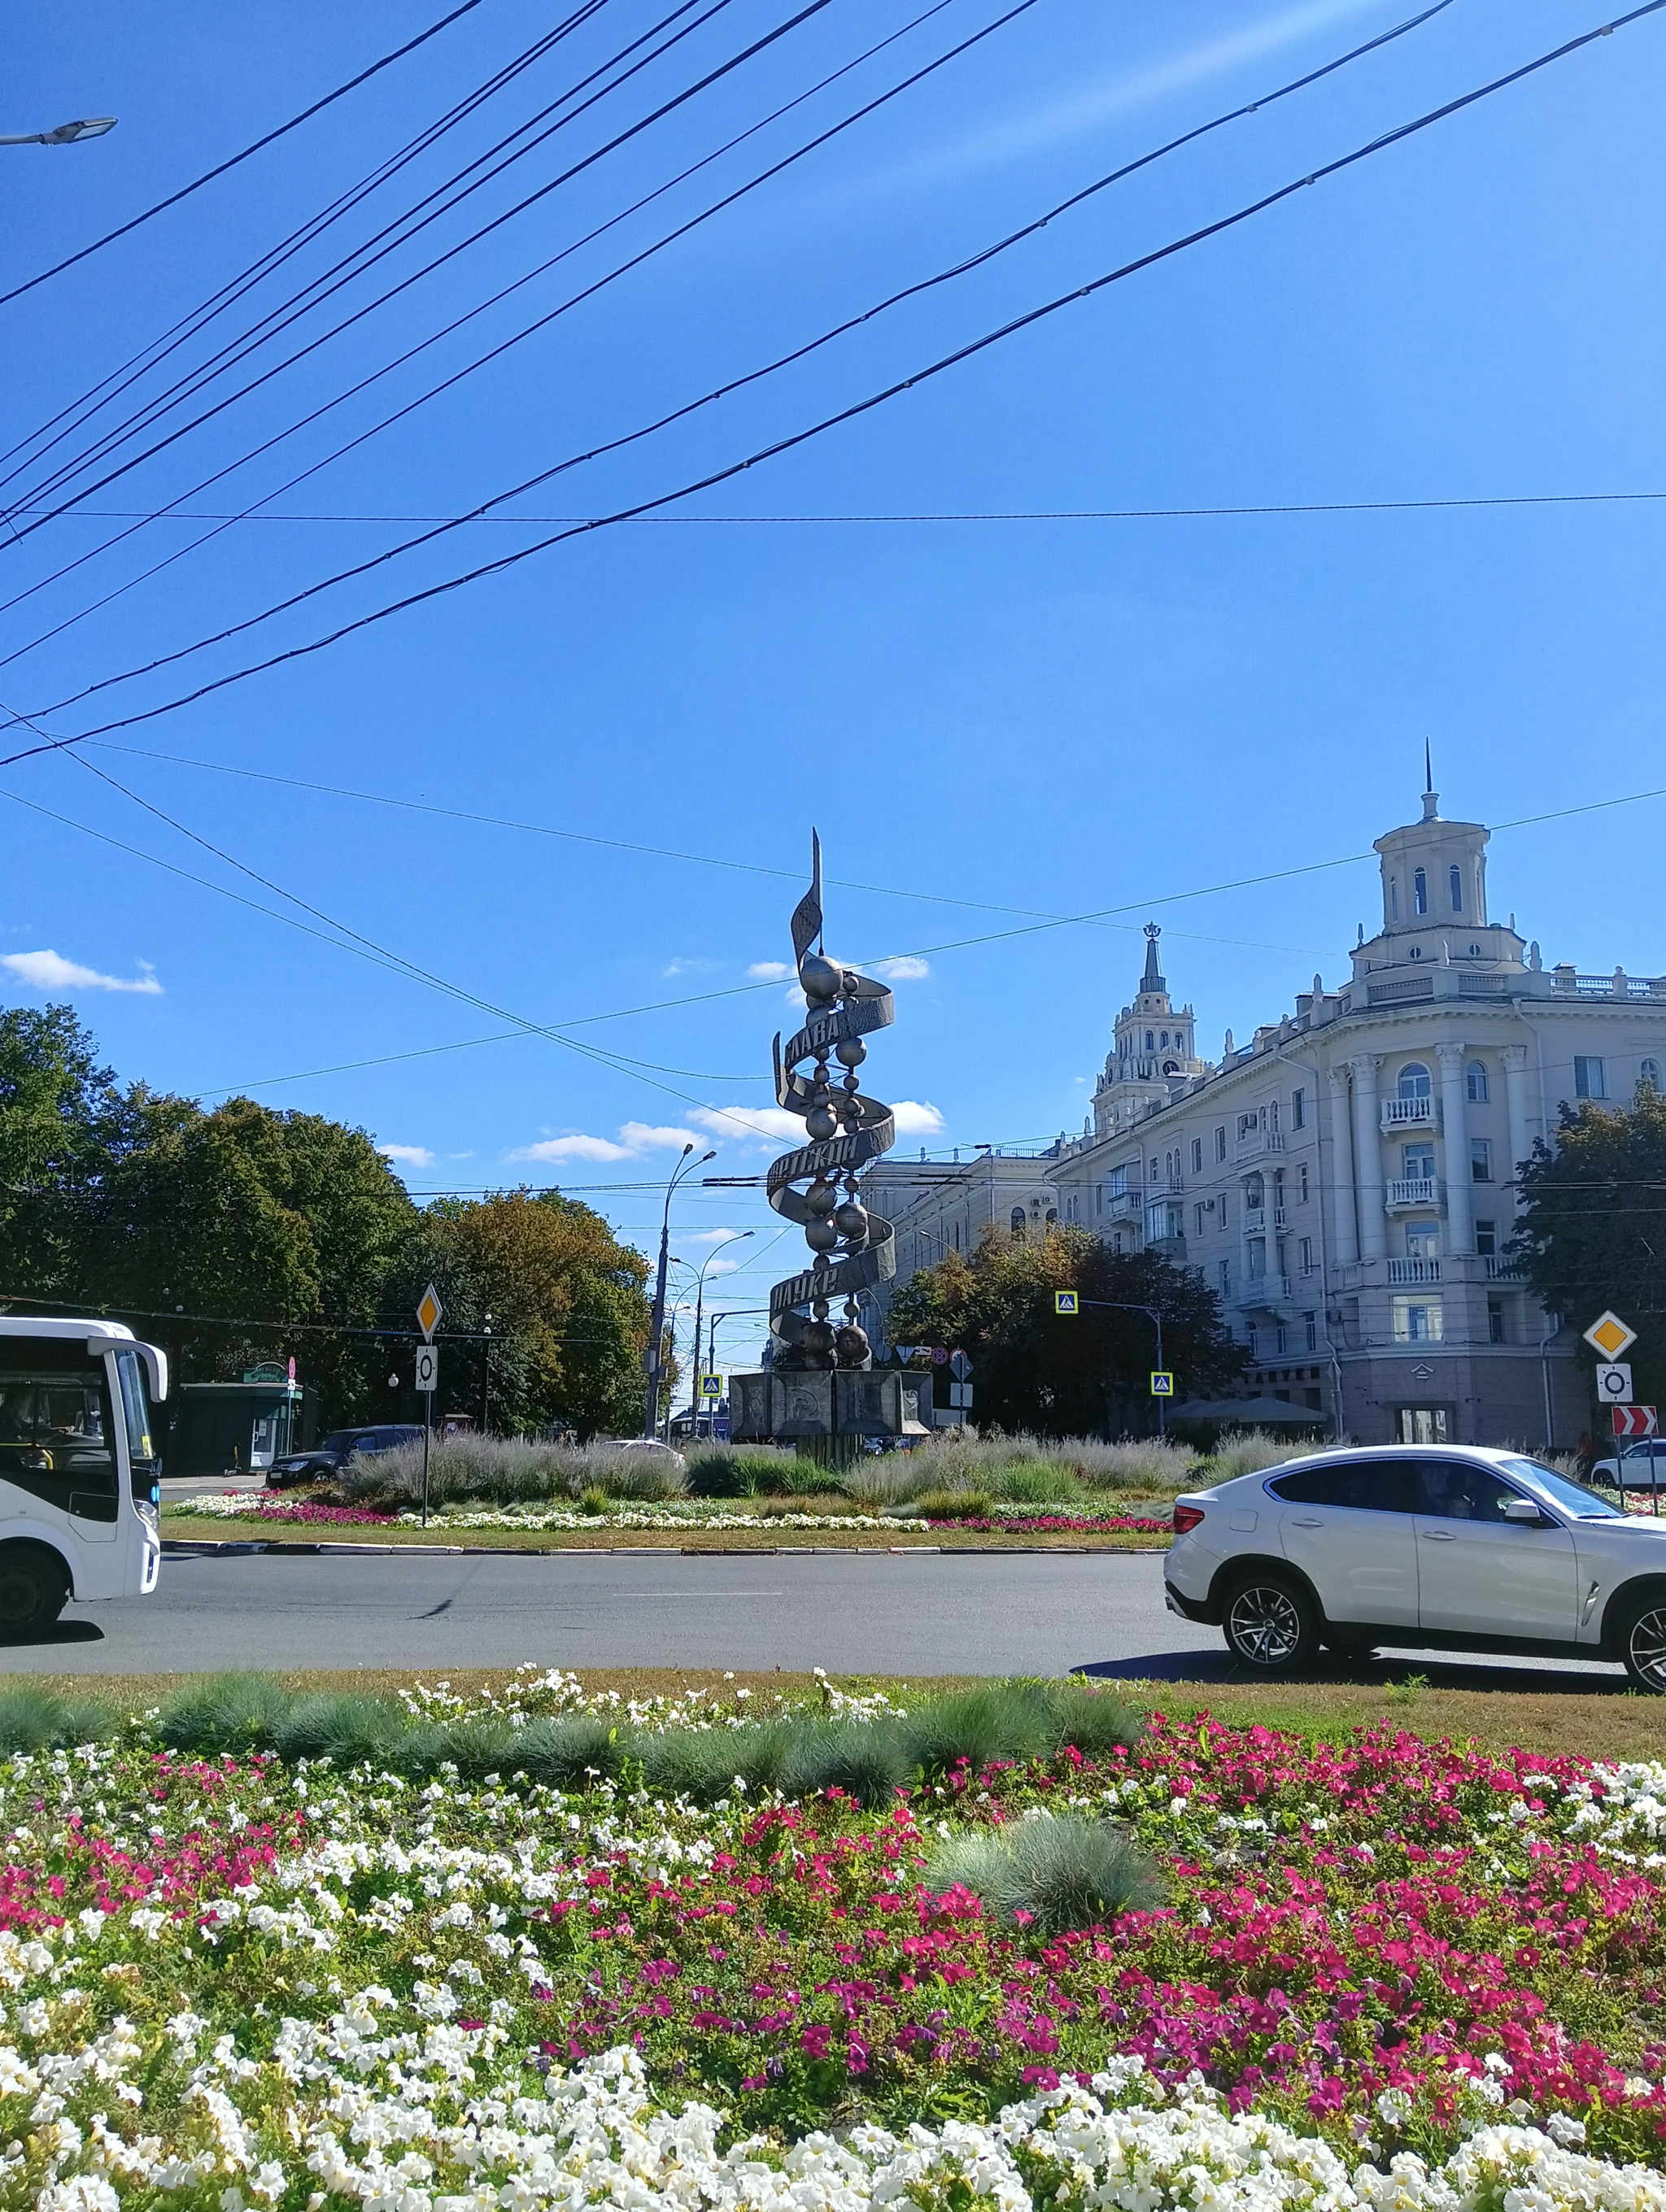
{"points": [[1648, 1647], [1265, 1626]]}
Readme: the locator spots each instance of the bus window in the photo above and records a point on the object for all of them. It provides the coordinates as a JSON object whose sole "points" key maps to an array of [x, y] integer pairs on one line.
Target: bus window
{"points": [[56, 1437], [136, 1411]]}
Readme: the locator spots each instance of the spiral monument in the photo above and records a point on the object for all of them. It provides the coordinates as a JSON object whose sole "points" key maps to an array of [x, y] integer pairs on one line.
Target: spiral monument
{"points": [[820, 1382]]}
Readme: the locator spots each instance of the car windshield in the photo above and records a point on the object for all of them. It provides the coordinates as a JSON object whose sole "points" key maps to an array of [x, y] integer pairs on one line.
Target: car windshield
{"points": [[1572, 1497]]}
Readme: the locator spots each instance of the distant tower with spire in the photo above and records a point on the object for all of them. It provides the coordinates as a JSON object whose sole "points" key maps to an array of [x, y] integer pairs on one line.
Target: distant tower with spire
{"points": [[1156, 1051]]}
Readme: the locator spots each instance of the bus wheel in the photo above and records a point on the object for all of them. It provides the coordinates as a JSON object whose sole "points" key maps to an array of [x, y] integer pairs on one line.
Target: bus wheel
{"points": [[33, 1590]]}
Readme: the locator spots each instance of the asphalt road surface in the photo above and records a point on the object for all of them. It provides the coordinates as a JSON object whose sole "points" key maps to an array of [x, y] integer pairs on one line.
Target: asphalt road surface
{"points": [[849, 1611]]}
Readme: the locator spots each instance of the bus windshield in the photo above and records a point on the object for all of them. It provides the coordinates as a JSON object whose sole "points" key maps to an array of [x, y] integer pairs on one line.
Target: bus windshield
{"points": [[136, 1413], [56, 1437]]}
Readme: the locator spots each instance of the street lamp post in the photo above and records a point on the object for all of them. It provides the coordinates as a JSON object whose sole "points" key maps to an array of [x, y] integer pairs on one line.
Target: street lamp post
{"points": [[699, 1306], [652, 1357], [66, 134], [486, 1373]]}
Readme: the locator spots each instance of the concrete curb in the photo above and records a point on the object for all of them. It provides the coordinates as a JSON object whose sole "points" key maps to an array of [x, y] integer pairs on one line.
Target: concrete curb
{"points": [[213, 1547]]}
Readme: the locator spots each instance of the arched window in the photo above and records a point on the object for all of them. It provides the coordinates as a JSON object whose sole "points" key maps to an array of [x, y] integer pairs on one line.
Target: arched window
{"points": [[1018, 1221], [1456, 879], [1151, 1041], [1415, 1081], [1649, 1076], [1475, 1075], [1052, 1213], [1420, 892], [1165, 1040]]}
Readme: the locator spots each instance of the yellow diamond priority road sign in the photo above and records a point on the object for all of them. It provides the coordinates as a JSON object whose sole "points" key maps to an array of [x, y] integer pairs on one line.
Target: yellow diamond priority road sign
{"points": [[429, 1311], [1609, 1335]]}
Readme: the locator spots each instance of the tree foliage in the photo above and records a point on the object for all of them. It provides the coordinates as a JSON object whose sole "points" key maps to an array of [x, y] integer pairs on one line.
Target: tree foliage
{"points": [[242, 1235], [1592, 1232], [1062, 1376]]}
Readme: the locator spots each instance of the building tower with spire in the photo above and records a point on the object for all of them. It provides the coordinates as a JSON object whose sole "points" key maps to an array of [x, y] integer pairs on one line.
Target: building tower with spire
{"points": [[1155, 1053]]}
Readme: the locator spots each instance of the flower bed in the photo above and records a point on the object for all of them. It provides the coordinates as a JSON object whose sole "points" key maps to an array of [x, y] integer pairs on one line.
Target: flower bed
{"points": [[1391, 1974], [696, 1515]]}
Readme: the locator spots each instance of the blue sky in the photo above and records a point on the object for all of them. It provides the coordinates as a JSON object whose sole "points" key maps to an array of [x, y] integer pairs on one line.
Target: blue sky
{"points": [[989, 722]]}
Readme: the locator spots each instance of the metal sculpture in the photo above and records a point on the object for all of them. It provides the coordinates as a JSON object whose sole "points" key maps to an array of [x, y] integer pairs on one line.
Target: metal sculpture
{"points": [[819, 1382]]}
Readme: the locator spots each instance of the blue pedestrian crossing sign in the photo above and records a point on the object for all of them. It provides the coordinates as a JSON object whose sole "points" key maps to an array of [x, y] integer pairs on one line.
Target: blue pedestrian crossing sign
{"points": [[1162, 1383], [1064, 1302], [711, 1388]]}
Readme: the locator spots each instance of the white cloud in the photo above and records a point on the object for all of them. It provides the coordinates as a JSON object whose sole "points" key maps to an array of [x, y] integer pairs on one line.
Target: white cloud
{"points": [[907, 968], [795, 997], [722, 1267], [711, 1237], [408, 1155], [771, 971], [50, 971], [681, 967], [555, 1150], [767, 1124], [635, 1139], [915, 1118]]}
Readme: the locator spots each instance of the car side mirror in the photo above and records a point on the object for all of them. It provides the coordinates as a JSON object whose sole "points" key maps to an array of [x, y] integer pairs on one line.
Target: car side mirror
{"points": [[1524, 1511]]}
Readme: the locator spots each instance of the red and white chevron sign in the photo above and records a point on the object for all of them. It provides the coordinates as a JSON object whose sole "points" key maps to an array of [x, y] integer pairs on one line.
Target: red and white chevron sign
{"points": [[1633, 1420]]}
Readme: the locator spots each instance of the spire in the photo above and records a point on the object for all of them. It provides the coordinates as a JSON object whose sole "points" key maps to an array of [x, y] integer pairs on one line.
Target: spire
{"points": [[1152, 980], [1431, 796]]}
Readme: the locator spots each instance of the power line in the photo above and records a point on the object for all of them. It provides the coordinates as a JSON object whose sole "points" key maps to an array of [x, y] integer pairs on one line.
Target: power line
{"points": [[841, 416], [585, 293], [137, 424], [196, 319], [256, 147], [967, 514]]}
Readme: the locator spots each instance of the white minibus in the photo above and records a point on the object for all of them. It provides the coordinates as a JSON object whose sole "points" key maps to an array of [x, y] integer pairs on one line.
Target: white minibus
{"points": [[80, 1466]]}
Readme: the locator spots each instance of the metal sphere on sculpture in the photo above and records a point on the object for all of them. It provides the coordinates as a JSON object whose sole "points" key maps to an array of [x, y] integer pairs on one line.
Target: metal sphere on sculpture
{"points": [[821, 980]]}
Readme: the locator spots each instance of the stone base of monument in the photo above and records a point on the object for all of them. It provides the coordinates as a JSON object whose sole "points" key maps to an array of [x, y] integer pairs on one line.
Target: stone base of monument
{"points": [[828, 1415]]}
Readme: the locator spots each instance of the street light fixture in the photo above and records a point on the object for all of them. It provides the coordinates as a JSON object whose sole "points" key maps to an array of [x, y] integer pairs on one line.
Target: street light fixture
{"points": [[699, 1307], [652, 1358], [67, 134]]}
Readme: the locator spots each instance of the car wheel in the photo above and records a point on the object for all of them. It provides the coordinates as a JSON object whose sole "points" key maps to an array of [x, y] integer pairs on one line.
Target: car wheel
{"points": [[1271, 1624], [34, 1591], [1643, 1645]]}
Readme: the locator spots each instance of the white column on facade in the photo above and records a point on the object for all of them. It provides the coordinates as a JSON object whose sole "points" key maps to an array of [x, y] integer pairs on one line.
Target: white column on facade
{"points": [[1342, 1151], [1514, 1057], [1460, 1193], [1368, 1159]]}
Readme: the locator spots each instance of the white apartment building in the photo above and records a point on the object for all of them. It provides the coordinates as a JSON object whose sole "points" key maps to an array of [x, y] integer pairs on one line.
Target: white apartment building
{"points": [[1345, 1181]]}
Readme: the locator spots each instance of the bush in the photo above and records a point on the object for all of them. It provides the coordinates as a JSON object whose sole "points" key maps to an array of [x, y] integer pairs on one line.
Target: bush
{"points": [[954, 1506], [884, 1480], [39, 1720], [224, 1713], [509, 1471], [1060, 1872], [1156, 1465], [719, 1470], [593, 1498], [831, 1504], [705, 1763], [870, 1761], [1247, 1451]]}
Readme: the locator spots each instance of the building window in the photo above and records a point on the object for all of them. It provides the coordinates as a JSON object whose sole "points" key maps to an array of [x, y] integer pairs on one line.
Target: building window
{"points": [[1280, 1345], [1018, 1221], [1222, 1209], [1420, 892], [1417, 1320], [1649, 1076], [1298, 1109], [1487, 1239], [1495, 1320], [1480, 1160], [1254, 1338], [1415, 1081], [1419, 1163], [1220, 1142], [1422, 1424], [1304, 1250], [1052, 1215], [1197, 1155], [1225, 1277], [1151, 1041], [1310, 1330], [1476, 1078], [1302, 1172], [1589, 1079], [1393, 898], [1455, 880], [1197, 1216]]}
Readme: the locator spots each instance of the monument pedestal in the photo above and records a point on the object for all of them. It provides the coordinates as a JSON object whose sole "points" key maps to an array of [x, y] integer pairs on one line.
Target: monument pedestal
{"points": [[826, 1414]]}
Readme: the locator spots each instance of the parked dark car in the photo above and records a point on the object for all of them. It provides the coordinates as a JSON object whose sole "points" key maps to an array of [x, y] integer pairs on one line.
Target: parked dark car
{"points": [[329, 1456]]}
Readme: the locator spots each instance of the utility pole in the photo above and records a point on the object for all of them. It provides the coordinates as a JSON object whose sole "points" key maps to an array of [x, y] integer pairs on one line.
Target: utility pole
{"points": [[652, 1366]]}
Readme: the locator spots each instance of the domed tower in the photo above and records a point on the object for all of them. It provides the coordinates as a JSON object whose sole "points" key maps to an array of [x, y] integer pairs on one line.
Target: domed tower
{"points": [[1155, 1053], [1434, 874]]}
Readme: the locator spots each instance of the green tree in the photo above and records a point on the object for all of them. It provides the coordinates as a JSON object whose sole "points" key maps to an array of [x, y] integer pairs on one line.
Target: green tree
{"points": [[62, 1121], [1060, 1376], [1592, 1232]]}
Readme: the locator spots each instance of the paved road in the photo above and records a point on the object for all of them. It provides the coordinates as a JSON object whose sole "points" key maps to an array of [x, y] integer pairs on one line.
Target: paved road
{"points": [[850, 1612]]}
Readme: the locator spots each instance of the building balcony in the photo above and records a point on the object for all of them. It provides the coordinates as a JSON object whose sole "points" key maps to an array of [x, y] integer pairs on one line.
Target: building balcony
{"points": [[1172, 1248], [1252, 1222], [1413, 1271], [1260, 1293], [1498, 1267], [1258, 1143], [1408, 1193], [1124, 1205], [1407, 1113]]}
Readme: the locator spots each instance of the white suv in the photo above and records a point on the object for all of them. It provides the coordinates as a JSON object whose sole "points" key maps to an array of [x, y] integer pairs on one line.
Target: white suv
{"points": [[1431, 1545]]}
